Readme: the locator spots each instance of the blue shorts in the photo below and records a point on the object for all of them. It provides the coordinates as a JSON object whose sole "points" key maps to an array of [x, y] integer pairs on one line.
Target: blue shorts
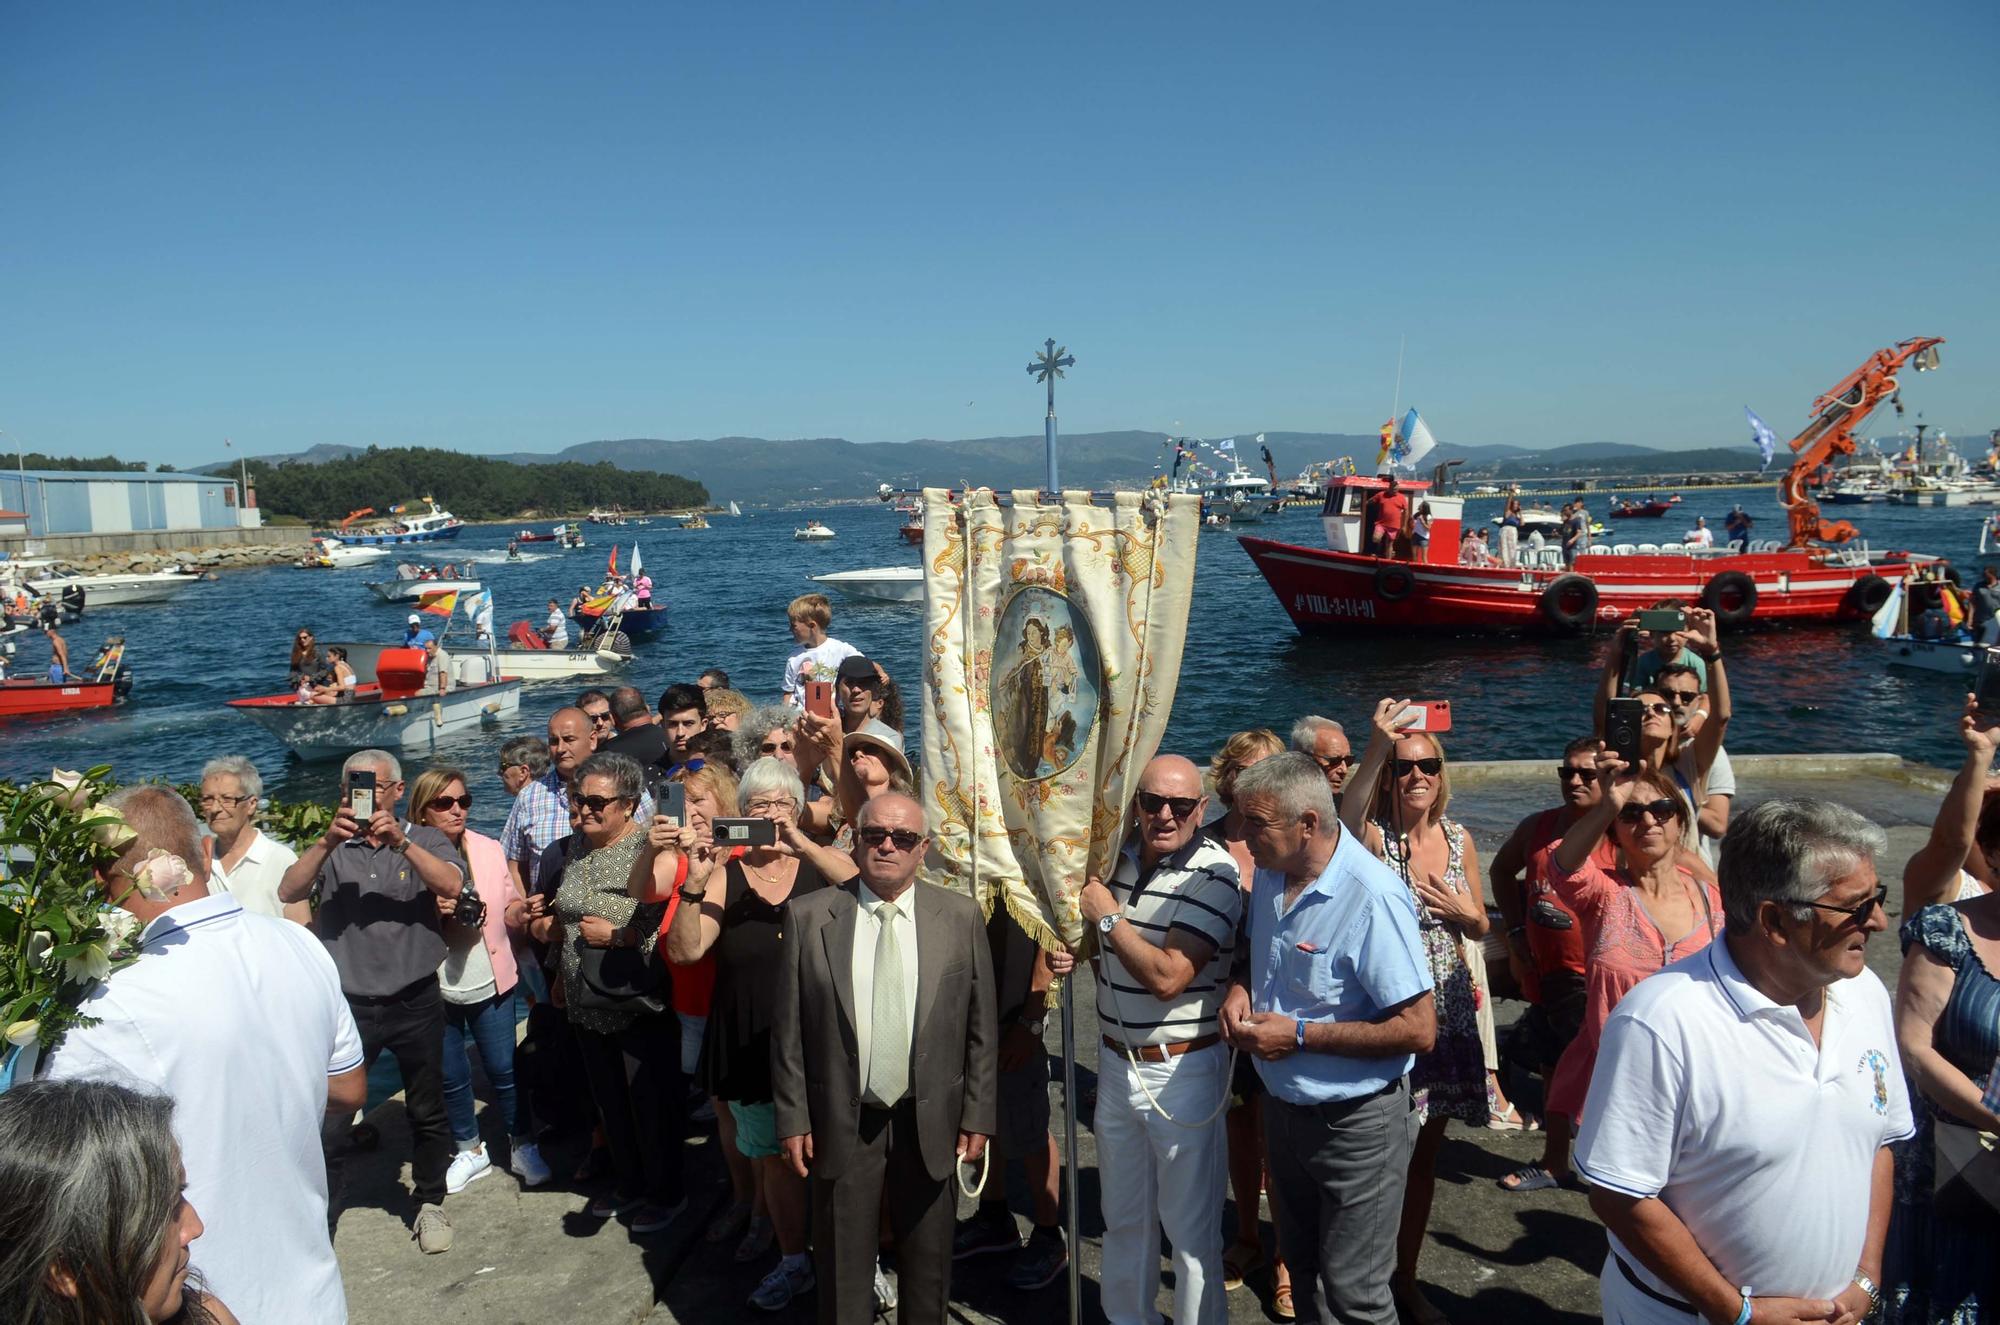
{"points": [[756, 1129]]}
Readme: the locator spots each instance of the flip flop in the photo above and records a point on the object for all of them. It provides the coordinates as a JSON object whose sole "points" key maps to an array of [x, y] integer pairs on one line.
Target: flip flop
{"points": [[1281, 1304], [1534, 1178]]}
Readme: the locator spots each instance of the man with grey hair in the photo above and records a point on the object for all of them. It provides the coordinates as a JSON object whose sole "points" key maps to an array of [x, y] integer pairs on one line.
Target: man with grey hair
{"points": [[379, 883], [1326, 742], [1745, 1098], [239, 1018], [1333, 999], [522, 760], [883, 1064], [242, 861]]}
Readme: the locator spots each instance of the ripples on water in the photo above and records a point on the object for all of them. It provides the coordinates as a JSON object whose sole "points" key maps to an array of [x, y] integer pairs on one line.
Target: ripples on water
{"points": [[1796, 689]]}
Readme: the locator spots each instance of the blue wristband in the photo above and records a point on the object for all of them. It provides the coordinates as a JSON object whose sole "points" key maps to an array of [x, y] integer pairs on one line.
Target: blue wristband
{"points": [[1302, 1033], [1743, 1316]]}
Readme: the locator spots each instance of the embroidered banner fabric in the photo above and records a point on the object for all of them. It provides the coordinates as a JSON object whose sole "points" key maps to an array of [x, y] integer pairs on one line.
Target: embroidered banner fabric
{"points": [[1052, 648]]}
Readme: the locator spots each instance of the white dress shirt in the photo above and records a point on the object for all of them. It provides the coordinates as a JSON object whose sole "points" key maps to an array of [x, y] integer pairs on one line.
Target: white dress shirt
{"points": [[867, 931], [254, 881]]}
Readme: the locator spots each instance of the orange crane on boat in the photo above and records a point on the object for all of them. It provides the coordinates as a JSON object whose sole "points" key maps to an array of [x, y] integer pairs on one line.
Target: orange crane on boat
{"points": [[1836, 414], [352, 516]]}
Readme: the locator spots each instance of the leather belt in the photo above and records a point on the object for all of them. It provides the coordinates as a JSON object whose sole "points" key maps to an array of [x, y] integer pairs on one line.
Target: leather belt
{"points": [[1632, 1278], [1160, 1053]]}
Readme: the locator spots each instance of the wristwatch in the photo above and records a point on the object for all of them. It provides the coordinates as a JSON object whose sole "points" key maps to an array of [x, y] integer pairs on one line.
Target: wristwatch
{"points": [[401, 846], [1108, 922], [1867, 1285], [1036, 1027]]}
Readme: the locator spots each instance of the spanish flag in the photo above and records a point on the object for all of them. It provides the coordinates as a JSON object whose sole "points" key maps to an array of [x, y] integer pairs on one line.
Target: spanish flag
{"points": [[1388, 444], [443, 603]]}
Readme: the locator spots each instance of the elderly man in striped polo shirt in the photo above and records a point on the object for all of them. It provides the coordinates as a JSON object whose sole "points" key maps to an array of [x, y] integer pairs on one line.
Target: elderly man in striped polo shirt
{"points": [[1166, 933]]}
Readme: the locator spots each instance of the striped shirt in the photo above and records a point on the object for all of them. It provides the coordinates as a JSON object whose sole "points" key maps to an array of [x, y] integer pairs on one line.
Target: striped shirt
{"points": [[1194, 890]]}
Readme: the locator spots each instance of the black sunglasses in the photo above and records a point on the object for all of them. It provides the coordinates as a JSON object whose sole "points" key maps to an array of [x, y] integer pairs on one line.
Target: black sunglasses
{"points": [[597, 804], [1327, 763], [1430, 767], [1661, 810], [443, 803], [904, 839], [1151, 803], [1858, 914], [1681, 697], [1564, 772], [605, 716]]}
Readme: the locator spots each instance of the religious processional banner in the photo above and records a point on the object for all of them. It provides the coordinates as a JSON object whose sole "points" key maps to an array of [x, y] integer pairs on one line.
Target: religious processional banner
{"points": [[1052, 648]]}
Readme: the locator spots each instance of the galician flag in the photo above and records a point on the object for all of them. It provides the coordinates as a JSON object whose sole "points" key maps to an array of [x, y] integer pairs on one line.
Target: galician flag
{"points": [[1414, 442], [1767, 441], [1226, 444]]}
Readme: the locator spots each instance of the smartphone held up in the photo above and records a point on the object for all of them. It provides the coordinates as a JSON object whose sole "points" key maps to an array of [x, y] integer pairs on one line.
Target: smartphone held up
{"points": [[1425, 715], [360, 795]]}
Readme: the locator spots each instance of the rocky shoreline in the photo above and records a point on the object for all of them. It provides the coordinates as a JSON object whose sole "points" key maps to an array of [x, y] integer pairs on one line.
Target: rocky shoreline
{"points": [[240, 556]]}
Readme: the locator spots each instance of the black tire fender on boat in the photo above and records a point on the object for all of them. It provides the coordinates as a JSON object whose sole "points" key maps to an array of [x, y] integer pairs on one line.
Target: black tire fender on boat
{"points": [[1570, 601], [1867, 594], [1732, 596], [1394, 583]]}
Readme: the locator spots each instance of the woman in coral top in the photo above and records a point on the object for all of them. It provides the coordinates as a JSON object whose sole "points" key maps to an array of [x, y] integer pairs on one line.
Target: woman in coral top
{"points": [[1636, 920]]}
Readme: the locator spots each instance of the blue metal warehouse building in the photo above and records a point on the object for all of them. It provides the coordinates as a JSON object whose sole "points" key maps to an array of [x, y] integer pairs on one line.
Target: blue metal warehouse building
{"points": [[59, 502]]}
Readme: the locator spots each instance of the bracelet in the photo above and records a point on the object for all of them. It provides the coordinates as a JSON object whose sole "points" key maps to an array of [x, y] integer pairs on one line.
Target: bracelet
{"points": [[1867, 1285], [1518, 929], [1743, 1316], [687, 896], [1302, 1033]]}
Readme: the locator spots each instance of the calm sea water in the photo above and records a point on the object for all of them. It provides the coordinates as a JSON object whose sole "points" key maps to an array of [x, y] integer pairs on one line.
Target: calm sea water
{"points": [[1797, 689]]}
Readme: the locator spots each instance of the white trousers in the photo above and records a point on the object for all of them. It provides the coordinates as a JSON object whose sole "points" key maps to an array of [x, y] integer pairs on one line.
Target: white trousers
{"points": [[1155, 1174]]}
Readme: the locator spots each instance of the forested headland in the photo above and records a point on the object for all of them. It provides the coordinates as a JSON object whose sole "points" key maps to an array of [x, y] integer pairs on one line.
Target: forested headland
{"points": [[471, 487]]}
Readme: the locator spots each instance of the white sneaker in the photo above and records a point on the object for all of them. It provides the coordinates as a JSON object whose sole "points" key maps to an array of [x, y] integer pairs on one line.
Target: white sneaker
{"points": [[525, 1162], [467, 1166], [885, 1292], [783, 1284]]}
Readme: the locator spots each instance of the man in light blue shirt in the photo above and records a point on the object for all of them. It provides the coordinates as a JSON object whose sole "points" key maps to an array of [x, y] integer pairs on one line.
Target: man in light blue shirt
{"points": [[1333, 998]]}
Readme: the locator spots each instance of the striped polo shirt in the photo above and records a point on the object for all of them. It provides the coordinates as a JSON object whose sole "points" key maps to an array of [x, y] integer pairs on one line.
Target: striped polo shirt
{"points": [[1194, 890]]}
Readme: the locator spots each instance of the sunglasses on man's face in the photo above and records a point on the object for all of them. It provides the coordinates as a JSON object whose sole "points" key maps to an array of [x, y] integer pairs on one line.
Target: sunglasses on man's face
{"points": [[1327, 763], [605, 716], [597, 804], [1681, 698], [1573, 772], [1858, 914], [443, 803], [1430, 767], [1151, 803], [904, 839], [775, 747], [1661, 810]]}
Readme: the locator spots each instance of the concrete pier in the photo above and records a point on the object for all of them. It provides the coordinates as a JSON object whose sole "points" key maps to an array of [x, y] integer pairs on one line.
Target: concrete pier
{"points": [[1492, 1256]]}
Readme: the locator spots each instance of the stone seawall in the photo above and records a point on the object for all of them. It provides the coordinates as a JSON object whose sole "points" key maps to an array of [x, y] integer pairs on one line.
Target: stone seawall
{"points": [[152, 550]]}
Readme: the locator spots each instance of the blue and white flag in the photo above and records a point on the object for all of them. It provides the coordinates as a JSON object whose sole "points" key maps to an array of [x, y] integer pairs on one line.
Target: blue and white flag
{"points": [[479, 611], [1413, 441], [1226, 444], [1767, 441]]}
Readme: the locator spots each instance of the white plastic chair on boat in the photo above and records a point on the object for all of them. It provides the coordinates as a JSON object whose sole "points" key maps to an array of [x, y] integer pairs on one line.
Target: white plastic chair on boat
{"points": [[1552, 557], [1622, 549], [1735, 545], [1649, 549], [1673, 547]]}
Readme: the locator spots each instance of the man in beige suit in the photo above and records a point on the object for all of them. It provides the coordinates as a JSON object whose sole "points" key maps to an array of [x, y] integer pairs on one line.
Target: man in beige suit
{"points": [[883, 1053]]}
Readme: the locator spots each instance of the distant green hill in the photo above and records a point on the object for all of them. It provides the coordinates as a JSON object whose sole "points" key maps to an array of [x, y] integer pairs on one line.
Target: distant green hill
{"points": [[471, 487]]}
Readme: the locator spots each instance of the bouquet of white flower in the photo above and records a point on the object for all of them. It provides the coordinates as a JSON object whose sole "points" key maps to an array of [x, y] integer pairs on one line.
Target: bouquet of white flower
{"points": [[60, 929]]}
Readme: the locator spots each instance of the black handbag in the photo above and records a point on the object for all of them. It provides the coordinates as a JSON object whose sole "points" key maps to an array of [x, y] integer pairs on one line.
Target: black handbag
{"points": [[616, 980]]}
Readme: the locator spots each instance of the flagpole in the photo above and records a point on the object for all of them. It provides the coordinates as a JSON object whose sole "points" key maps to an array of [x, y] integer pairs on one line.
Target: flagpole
{"points": [[1401, 345], [1069, 1146]]}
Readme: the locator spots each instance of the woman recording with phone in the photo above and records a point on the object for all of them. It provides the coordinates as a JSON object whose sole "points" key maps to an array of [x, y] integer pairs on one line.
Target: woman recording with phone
{"points": [[1636, 919], [477, 978], [1397, 809], [736, 917]]}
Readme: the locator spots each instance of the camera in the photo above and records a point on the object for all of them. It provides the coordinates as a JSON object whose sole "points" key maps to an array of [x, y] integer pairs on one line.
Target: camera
{"points": [[470, 910], [1621, 729], [744, 832]]}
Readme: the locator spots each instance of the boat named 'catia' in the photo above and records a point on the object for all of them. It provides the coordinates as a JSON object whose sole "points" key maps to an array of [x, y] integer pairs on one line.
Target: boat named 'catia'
{"points": [[390, 713]]}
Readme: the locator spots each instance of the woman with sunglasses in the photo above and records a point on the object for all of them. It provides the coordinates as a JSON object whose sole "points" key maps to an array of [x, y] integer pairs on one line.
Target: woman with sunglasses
{"points": [[737, 917], [1401, 782], [631, 1053], [477, 978], [1637, 919], [1243, 1123], [307, 664], [774, 731]]}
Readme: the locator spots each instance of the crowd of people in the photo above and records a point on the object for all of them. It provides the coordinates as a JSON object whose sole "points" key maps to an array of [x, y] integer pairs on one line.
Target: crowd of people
{"points": [[702, 912]]}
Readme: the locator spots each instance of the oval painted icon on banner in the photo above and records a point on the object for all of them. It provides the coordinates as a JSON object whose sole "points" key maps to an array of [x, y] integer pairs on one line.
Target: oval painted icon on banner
{"points": [[1046, 681]]}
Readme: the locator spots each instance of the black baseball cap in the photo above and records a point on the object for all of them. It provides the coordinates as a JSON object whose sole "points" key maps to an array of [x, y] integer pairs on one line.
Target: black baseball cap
{"points": [[858, 668]]}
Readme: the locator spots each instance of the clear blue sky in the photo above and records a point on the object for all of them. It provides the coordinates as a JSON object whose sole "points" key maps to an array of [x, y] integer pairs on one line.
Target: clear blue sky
{"points": [[501, 227]]}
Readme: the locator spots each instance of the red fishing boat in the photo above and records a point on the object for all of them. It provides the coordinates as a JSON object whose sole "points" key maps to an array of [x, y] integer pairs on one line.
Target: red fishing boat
{"points": [[1346, 585], [109, 682]]}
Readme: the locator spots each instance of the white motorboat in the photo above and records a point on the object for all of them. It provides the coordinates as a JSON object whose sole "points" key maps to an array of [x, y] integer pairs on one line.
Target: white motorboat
{"points": [[1241, 495], [332, 554], [389, 713], [813, 532], [514, 663], [401, 590], [1949, 657], [434, 525], [119, 590], [883, 584]]}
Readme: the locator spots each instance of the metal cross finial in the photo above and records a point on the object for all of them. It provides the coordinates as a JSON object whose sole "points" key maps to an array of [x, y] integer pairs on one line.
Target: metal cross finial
{"points": [[1049, 365]]}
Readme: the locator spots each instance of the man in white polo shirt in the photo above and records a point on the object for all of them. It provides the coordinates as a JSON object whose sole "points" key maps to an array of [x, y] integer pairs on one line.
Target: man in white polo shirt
{"points": [[1745, 1097], [240, 1020], [1166, 934], [242, 861]]}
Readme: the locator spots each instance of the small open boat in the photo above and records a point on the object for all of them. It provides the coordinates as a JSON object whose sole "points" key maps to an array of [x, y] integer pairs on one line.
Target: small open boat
{"points": [[389, 713], [523, 661], [109, 682], [119, 590], [883, 584], [1650, 509], [812, 532], [402, 590], [330, 554]]}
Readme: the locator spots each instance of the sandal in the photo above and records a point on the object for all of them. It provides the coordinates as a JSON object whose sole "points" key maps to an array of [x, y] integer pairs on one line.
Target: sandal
{"points": [[1238, 1261], [1281, 1304], [1511, 1121], [732, 1223], [1535, 1178]]}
